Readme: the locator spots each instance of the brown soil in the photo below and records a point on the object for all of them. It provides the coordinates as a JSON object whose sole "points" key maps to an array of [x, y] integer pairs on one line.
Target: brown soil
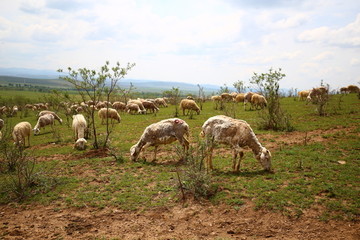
{"points": [[190, 220]]}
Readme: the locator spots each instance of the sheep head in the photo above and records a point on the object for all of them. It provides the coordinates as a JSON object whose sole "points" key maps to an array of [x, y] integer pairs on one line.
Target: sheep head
{"points": [[134, 153], [264, 158], [80, 144], [36, 131]]}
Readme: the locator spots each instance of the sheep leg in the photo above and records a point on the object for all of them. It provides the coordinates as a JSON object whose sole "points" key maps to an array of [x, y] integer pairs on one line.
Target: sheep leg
{"points": [[155, 151], [236, 167]]}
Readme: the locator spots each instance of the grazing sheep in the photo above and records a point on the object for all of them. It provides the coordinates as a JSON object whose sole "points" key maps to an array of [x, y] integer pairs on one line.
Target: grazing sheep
{"points": [[132, 107], [163, 132], [247, 98], [188, 104], [109, 113], [44, 120], [240, 97], [1, 123], [20, 132], [42, 113], [258, 100], [139, 103], [161, 102], [150, 106], [79, 125], [119, 106], [14, 110], [226, 97], [237, 134], [303, 95]]}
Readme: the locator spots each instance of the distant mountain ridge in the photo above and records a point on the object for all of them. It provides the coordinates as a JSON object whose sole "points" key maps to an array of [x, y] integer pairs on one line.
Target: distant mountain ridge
{"points": [[51, 79]]}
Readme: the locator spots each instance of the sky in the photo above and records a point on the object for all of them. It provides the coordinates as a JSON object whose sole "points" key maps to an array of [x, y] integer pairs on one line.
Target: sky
{"points": [[201, 42]]}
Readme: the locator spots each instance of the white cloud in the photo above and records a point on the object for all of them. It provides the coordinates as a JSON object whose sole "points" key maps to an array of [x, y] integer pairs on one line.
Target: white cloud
{"points": [[355, 62], [347, 36], [323, 56]]}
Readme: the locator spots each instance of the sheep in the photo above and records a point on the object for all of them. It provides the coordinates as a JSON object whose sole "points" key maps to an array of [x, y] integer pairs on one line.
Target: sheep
{"points": [[258, 100], [42, 113], [226, 97], [132, 107], [163, 132], [317, 94], [247, 98], [139, 103], [189, 105], [79, 126], [44, 120], [119, 106], [150, 106], [236, 133], [240, 97], [1, 123], [109, 113], [161, 102], [20, 132], [303, 95], [14, 110]]}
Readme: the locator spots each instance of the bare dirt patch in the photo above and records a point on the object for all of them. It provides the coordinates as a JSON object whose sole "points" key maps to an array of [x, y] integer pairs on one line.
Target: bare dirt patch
{"points": [[192, 221]]}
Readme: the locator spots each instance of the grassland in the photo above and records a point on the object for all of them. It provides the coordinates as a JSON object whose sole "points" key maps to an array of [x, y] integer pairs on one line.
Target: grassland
{"points": [[308, 174]]}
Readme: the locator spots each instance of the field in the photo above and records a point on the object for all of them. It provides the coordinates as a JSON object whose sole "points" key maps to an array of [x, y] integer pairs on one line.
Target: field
{"points": [[313, 192]]}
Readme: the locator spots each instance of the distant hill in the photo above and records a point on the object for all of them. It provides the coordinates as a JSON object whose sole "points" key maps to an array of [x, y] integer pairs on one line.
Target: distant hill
{"points": [[48, 78]]}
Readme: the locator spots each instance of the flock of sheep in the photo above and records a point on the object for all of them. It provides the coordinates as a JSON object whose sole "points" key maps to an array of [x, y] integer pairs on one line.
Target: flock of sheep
{"points": [[218, 129]]}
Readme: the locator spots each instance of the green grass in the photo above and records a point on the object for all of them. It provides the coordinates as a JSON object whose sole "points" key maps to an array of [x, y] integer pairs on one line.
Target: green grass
{"points": [[306, 176]]}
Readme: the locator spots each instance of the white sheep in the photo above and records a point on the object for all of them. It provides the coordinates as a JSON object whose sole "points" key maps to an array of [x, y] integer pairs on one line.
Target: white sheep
{"points": [[161, 102], [247, 98], [42, 113], [132, 107], [139, 103], [44, 120], [22, 131], [109, 113], [119, 106], [237, 134], [150, 106], [79, 126], [188, 104], [258, 100], [163, 132]]}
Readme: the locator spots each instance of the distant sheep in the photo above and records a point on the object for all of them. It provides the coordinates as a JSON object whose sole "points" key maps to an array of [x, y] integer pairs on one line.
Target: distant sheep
{"points": [[226, 97], [150, 106], [247, 98], [163, 132], [258, 100], [22, 131], [236, 133], [303, 95], [120, 106], [317, 94], [44, 120], [56, 117], [79, 126], [109, 113], [161, 102], [190, 105], [132, 108], [240, 97], [139, 103], [14, 110]]}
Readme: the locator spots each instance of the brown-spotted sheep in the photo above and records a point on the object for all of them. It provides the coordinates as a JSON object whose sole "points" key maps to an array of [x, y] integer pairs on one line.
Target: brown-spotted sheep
{"points": [[190, 105], [163, 132], [56, 117], [22, 131], [227, 97], [79, 126], [237, 134], [240, 97], [258, 100], [109, 113], [44, 120]]}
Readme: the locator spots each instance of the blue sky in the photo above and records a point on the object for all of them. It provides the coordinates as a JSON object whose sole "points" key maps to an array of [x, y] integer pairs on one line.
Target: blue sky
{"points": [[204, 41]]}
